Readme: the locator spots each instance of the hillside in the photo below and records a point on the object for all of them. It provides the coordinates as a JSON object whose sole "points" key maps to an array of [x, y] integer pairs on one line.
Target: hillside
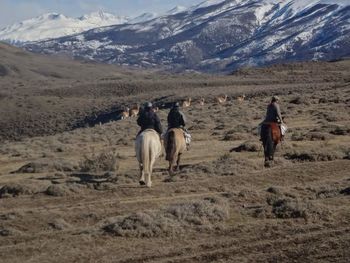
{"points": [[27, 80], [43, 95]]}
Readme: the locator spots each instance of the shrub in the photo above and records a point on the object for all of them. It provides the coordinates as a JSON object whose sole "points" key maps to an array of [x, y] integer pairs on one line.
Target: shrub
{"points": [[298, 100], [15, 190], [170, 220], [105, 161], [289, 208], [340, 131], [46, 166], [318, 136], [313, 156], [294, 208], [247, 147]]}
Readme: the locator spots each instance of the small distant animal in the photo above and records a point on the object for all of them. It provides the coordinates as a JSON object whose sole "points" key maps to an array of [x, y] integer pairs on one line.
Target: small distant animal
{"points": [[201, 101], [240, 99], [125, 114], [221, 99], [186, 103], [134, 111]]}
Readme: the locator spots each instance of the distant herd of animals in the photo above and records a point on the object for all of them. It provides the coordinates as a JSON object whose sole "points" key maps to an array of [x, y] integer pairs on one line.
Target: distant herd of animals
{"points": [[134, 110]]}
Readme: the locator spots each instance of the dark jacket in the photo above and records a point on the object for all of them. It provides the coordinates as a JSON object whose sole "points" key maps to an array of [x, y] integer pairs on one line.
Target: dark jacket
{"points": [[273, 113], [149, 120], [176, 118]]}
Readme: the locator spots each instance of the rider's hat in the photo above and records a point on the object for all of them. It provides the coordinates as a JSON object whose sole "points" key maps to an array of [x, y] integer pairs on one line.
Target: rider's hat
{"points": [[148, 104], [275, 98]]}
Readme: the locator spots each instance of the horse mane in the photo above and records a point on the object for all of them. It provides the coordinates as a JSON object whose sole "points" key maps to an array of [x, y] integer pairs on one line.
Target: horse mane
{"points": [[170, 149]]}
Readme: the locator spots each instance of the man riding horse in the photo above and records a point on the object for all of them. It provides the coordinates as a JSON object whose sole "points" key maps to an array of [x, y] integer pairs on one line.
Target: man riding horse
{"points": [[148, 119], [270, 130], [176, 119], [148, 145]]}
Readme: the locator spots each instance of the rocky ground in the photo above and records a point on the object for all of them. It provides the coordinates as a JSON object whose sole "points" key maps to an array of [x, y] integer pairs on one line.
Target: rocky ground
{"points": [[74, 196]]}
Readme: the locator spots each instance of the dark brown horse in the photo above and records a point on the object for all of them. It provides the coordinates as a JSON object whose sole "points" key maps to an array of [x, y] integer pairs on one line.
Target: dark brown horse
{"points": [[270, 136], [175, 145]]}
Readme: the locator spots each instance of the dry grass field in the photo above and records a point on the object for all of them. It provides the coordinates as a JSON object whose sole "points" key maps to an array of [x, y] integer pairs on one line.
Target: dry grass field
{"points": [[71, 194]]}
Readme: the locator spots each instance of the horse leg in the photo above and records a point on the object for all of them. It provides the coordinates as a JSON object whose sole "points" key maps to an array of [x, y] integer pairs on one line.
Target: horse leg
{"points": [[142, 175], [172, 167], [178, 162], [148, 176], [273, 150], [268, 144]]}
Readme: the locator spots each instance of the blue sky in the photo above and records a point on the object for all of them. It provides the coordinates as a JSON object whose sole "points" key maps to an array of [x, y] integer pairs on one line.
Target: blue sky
{"points": [[17, 10]]}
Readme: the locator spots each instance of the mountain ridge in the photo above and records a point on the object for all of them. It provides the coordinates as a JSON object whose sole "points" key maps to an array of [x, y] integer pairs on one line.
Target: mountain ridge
{"points": [[218, 36]]}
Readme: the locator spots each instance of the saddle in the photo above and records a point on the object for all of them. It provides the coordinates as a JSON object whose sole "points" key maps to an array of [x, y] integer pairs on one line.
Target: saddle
{"points": [[146, 130]]}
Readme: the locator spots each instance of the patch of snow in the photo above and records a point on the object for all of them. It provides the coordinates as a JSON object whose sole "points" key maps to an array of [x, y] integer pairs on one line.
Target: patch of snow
{"points": [[176, 10], [53, 25]]}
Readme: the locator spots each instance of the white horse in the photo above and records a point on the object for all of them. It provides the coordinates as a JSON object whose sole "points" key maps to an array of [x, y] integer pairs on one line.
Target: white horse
{"points": [[148, 148]]}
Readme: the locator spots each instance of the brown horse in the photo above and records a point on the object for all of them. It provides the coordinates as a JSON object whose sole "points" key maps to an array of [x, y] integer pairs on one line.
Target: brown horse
{"points": [[270, 136], [175, 145]]}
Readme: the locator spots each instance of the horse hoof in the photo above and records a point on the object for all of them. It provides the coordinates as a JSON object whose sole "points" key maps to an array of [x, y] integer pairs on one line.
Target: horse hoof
{"points": [[142, 183], [267, 164]]}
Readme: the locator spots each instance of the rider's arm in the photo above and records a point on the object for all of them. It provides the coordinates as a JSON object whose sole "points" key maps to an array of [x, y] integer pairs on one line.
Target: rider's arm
{"points": [[183, 119], [139, 121], [278, 111], [158, 125]]}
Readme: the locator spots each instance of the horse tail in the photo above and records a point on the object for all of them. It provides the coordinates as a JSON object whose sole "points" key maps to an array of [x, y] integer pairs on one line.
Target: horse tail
{"points": [[170, 147], [145, 152]]}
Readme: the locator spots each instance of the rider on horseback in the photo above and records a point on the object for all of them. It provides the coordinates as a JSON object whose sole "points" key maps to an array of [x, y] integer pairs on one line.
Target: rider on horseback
{"points": [[148, 119], [270, 129], [273, 113], [176, 119]]}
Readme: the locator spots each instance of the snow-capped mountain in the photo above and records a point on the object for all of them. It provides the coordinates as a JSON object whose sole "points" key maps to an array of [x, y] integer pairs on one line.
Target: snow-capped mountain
{"points": [[219, 35], [53, 25], [142, 18], [176, 9]]}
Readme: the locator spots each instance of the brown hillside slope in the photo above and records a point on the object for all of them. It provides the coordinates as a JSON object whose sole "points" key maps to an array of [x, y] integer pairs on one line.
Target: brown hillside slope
{"points": [[44, 95]]}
